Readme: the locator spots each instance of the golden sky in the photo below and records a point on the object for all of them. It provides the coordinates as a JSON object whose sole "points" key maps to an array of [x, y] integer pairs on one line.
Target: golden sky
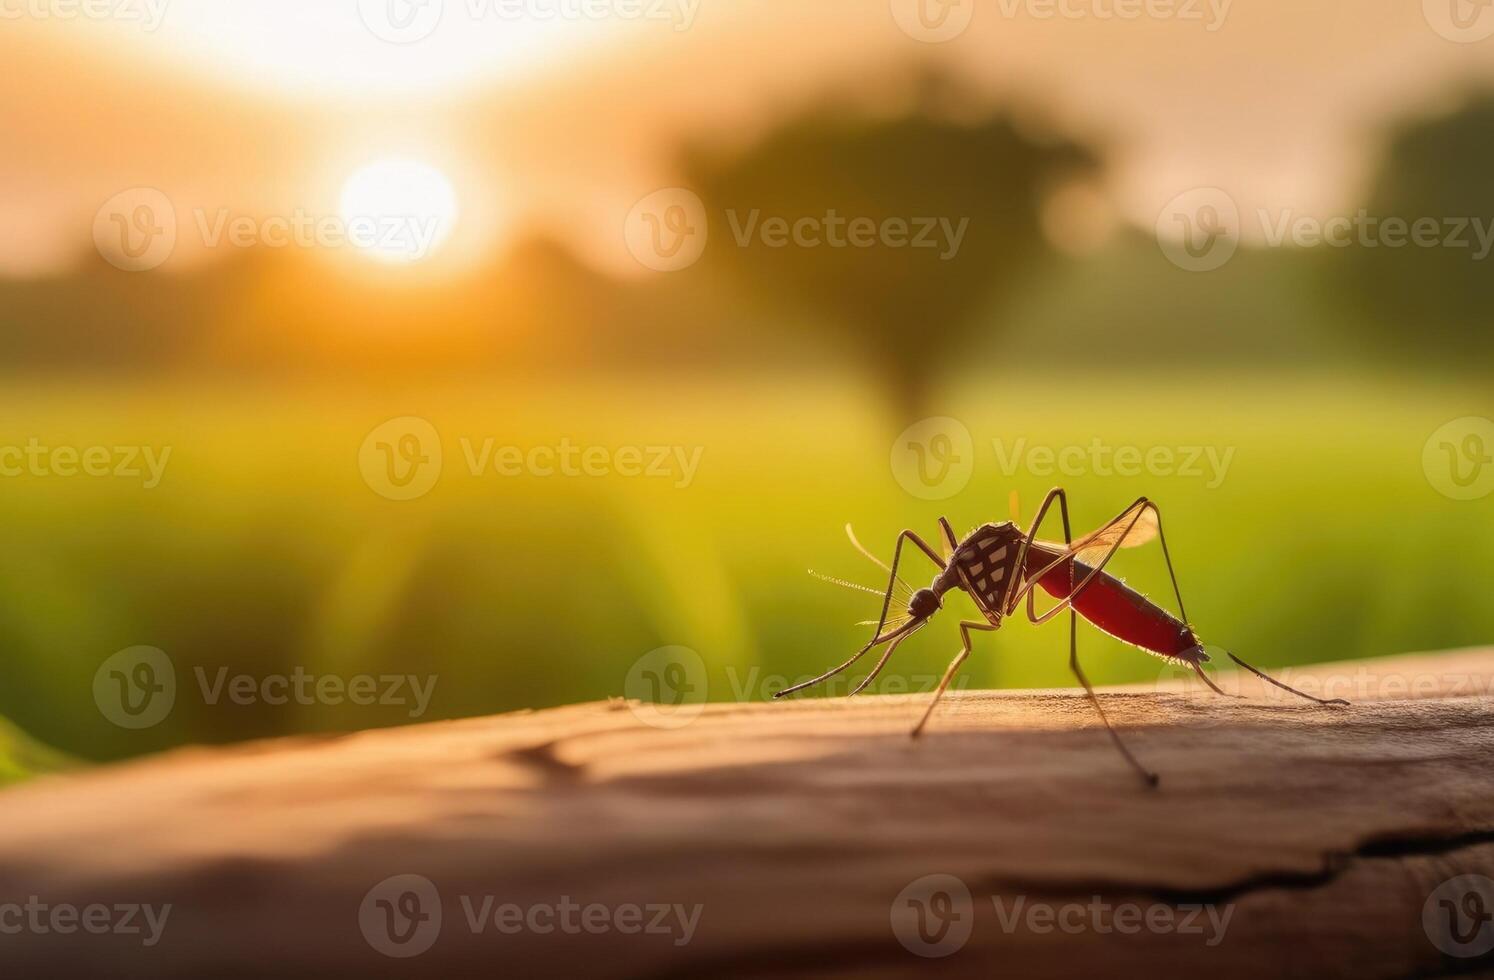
{"points": [[563, 113]]}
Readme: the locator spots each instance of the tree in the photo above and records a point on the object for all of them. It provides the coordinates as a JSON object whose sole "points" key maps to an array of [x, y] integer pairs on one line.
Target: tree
{"points": [[1432, 299], [896, 233]]}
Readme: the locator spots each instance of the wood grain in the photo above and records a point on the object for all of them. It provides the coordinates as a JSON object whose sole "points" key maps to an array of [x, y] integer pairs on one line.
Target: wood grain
{"points": [[793, 829]]}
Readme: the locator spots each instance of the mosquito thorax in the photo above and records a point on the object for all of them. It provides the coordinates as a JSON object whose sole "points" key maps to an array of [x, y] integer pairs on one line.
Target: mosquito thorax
{"points": [[984, 564]]}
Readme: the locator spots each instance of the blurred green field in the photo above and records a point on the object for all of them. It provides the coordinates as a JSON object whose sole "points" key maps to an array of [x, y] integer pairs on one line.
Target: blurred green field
{"points": [[263, 549]]}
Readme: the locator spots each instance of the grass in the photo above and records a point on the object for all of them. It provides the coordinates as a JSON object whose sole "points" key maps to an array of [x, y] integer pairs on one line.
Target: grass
{"points": [[263, 550], [22, 757]]}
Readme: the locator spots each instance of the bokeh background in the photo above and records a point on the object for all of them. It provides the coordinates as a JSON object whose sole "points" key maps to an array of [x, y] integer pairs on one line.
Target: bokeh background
{"points": [[1137, 272]]}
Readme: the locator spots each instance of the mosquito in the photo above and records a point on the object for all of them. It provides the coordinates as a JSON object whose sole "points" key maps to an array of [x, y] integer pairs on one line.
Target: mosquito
{"points": [[998, 566]]}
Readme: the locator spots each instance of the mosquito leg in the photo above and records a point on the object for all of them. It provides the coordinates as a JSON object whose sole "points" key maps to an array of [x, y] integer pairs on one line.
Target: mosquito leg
{"points": [[1177, 593], [1058, 494], [886, 656], [1198, 669], [1133, 512], [1183, 615], [897, 555], [1149, 777], [924, 545], [954, 665], [895, 636], [1285, 687], [1167, 557], [877, 637]]}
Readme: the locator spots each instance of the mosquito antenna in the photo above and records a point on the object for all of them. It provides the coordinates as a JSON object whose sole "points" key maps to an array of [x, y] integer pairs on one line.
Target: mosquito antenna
{"points": [[901, 590], [843, 583], [1285, 687], [862, 548]]}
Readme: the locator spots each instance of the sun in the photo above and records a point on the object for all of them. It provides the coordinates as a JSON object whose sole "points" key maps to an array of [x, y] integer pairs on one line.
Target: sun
{"points": [[398, 210]]}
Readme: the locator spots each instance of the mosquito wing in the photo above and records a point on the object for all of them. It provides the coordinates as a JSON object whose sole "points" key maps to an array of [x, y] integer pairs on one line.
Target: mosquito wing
{"points": [[1133, 528], [1130, 530]]}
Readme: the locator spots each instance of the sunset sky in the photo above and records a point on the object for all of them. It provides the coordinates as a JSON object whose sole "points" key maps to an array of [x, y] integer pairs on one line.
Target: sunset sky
{"points": [[565, 122]]}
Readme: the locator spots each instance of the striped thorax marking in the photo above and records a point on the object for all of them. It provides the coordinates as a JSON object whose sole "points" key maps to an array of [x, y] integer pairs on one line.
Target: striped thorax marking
{"points": [[985, 561]]}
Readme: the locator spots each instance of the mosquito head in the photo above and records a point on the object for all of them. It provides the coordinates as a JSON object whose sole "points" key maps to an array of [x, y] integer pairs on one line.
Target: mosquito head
{"points": [[925, 603]]}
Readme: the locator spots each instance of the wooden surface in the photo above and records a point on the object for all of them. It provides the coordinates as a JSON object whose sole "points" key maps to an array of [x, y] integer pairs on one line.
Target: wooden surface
{"points": [[794, 828]]}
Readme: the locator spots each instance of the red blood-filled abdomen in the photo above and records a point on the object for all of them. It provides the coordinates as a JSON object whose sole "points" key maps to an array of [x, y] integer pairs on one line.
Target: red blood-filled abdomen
{"points": [[1116, 608]]}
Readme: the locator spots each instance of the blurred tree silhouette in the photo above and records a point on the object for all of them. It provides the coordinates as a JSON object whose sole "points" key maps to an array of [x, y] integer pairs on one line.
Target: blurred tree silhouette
{"points": [[906, 308], [1433, 300]]}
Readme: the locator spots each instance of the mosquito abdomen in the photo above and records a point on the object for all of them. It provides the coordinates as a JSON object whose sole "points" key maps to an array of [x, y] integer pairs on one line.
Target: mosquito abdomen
{"points": [[1118, 609]]}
